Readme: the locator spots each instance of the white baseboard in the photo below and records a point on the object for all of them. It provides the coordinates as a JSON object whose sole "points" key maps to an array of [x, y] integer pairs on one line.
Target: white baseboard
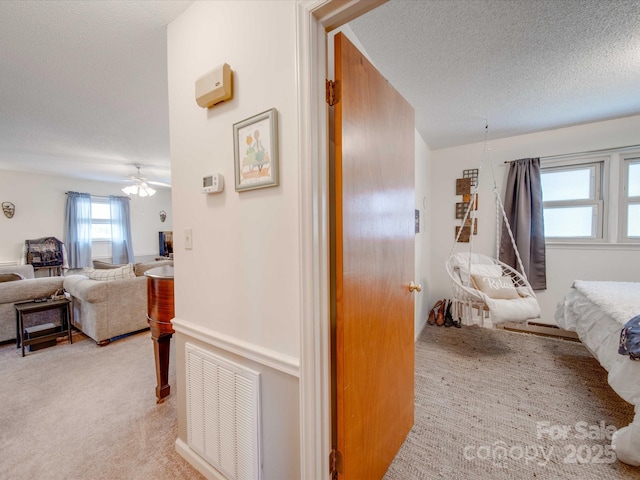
{"points": [[197, 461]]}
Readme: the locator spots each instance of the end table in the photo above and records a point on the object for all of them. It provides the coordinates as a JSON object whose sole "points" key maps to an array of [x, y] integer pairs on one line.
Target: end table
{"points": [[26, 308]]}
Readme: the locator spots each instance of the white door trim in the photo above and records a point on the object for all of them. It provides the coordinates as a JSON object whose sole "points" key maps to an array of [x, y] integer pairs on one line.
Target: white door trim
{"points": [[314, 262], [313, 19]]}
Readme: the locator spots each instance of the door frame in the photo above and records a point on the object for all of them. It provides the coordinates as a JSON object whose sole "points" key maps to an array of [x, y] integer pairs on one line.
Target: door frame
{"points": [[314, 18]]}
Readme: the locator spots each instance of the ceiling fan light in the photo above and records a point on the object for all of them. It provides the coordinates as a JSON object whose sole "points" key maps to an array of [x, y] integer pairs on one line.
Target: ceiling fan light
{"points": [[145, 190], [131, 190], [144, 193], [140, 190]]}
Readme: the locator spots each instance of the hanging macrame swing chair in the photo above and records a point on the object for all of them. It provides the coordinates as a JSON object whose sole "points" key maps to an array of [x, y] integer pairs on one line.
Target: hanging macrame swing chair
{"points": [[484, 287]]}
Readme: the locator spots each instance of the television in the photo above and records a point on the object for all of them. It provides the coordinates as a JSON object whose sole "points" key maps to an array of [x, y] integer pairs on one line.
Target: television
{"points": [[165, 239]]}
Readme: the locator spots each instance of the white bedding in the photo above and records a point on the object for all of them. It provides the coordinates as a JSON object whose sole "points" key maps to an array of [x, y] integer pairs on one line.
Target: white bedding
{"points": [[596, 311]]}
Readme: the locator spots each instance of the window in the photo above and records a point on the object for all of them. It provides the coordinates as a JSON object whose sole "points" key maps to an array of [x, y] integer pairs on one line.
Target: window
{"points": [[630, 198], [100, 219], [573, 200]]}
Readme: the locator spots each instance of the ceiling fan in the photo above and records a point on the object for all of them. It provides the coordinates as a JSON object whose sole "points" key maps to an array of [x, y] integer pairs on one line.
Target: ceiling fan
{"points": [[141, 185]]}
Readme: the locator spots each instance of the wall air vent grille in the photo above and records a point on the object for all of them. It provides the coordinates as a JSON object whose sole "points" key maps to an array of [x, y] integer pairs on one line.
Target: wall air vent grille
{"points": [[223, 414]]}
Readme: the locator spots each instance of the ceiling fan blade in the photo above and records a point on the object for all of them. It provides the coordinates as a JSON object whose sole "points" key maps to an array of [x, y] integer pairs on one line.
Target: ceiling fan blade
{"points": [[159, 184]]}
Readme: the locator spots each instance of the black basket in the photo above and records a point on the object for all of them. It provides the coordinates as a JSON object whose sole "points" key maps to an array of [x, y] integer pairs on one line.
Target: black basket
{"points": [[44, 252]]}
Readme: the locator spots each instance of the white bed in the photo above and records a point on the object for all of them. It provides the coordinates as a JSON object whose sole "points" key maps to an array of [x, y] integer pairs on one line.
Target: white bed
{"points": [[596, 311]]}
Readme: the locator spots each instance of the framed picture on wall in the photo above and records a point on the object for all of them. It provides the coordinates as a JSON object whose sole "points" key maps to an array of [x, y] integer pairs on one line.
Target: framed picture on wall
{"points": [[255, 148]]}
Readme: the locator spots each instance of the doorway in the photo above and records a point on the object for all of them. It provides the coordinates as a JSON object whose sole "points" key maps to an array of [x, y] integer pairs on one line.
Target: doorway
{"points": [[314, 19], [371, 187]]}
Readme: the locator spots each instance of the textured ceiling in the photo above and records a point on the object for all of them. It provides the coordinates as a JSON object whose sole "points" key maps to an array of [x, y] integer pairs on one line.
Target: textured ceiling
{"points": [[83, 89], [83, 84], [523, 65]]}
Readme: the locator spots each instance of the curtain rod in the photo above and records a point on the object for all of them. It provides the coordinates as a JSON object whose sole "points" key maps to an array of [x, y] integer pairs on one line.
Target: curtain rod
{"points": [[587, 152], [104, 196]]}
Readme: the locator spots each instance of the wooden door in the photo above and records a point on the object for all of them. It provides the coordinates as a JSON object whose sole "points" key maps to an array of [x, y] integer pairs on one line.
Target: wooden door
{"points": [[372, 265]]}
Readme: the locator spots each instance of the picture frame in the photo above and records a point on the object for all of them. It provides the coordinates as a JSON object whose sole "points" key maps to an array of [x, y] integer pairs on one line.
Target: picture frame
{"points": [[255, 149]]}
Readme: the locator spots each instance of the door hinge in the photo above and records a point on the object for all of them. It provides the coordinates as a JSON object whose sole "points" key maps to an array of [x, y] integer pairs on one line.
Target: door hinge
{"points": [[335, 463], [333, 92]]}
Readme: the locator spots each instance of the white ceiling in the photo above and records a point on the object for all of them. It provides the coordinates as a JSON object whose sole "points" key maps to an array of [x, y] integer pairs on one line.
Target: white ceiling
{"points": [[83, 88], [521, 65]]}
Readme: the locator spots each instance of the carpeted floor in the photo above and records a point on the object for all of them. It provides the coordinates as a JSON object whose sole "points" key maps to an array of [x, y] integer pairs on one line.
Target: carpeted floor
{"points": [[492, 404], [488, 404], [53, 425]]}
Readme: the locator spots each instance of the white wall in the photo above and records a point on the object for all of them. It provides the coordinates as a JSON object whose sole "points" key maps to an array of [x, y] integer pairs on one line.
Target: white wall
{"points": [[424, 204], [40, 208], [564, 263], [240, 281]]}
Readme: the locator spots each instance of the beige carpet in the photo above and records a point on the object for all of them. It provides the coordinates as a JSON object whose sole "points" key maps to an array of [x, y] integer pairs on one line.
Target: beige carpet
{"points": [[484, 399], [86, 412]]}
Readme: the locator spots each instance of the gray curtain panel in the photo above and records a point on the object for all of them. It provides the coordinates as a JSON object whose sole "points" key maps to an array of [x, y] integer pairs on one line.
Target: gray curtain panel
{"points": [[77, 230], [121, 245], [523, 206]]}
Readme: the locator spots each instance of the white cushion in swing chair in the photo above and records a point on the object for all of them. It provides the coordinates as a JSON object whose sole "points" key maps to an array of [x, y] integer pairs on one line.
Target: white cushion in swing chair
{"points": [[503, 305], [477, 264], [497, 287], [512, 310]]}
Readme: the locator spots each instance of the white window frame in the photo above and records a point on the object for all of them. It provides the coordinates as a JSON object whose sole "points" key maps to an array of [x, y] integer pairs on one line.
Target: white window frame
{"points": [[598, 194], [99, 221], [624, 199]]}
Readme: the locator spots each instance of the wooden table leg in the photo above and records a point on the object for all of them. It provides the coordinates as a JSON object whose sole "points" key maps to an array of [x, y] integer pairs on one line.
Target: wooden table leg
{"points": [[17, 329], [161, 349], [68, 313], [160, 312], [21, 334]]}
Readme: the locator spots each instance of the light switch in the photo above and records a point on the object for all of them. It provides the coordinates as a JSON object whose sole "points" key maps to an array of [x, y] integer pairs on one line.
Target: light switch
{"points": [[188, 239]]}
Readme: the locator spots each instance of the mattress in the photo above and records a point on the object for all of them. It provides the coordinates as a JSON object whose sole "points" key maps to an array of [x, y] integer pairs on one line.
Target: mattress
{"points": [[596, 311]]}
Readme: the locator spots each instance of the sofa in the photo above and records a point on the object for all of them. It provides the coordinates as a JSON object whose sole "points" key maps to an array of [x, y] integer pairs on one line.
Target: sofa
{"points": [[107, 308], [108, 302], [20, 285]]}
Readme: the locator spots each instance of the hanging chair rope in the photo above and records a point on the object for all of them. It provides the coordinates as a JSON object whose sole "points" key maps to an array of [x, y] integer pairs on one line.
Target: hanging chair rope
{"points": [[513, 241], [500, 212], [465, 294]]}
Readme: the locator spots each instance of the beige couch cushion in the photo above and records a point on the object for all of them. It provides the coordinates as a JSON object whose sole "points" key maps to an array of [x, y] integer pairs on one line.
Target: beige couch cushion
{"points": [[12, 292], [25, 271], [22, 291], [110, 274], [106, 265], [10, 277], [104, 310]]}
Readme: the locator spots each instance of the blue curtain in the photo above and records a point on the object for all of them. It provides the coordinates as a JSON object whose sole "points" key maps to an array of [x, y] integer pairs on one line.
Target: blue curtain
{"points": [[78, 229], [121, 245]]}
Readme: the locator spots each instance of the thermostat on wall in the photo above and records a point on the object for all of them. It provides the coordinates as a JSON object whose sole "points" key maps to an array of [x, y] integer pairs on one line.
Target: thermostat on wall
{"points": [[213, 183]]}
